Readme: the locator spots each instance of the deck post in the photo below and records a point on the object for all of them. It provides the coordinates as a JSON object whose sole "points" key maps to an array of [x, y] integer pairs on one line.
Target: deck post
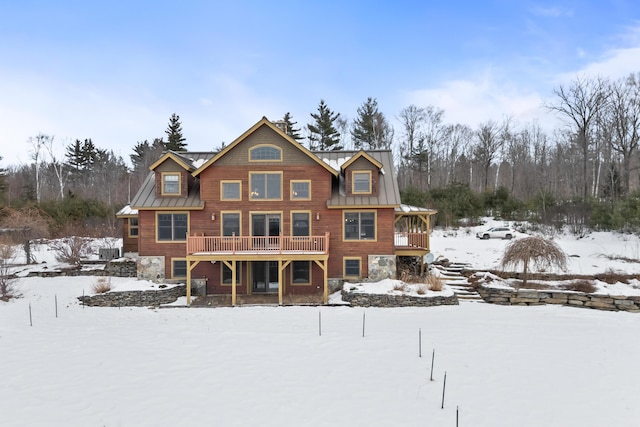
{"points": [[325, 297], [233, 283], [188, 282], [280, 281]]}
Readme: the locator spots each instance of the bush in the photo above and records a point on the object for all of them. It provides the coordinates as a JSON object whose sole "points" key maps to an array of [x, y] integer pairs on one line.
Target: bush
{"points": [[102, 285], [71, 249], [8, 282], [421, 289], [400, 287], [585, 286], [434, 283]]}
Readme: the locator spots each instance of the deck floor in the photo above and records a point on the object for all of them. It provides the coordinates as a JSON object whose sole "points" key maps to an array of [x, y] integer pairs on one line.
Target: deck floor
{"points": [[256, 299]]}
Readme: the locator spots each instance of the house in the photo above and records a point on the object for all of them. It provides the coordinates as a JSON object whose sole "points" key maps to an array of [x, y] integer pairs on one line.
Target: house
{"points": [[267, 216]]}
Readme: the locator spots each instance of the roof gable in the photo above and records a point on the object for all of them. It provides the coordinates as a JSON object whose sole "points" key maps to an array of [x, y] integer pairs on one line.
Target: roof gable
{"points": [[361, 154], [265, 122], [179, 159]]}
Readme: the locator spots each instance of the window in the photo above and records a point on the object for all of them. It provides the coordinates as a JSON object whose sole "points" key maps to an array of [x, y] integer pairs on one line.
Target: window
{"points": [[301, 272], [265, 186], [178, 268], [226, 273], [171, 183], [359, 226], [230, 223], [362, 182], [352, 267], [300, 224], [172, 226], [230, 190], [265, 153], [300, 190], [133, 227]]}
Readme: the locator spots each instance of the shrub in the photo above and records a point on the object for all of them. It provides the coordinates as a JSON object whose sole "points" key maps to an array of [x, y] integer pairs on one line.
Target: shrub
{"points": [[71, 249], [102, 285], [585, 286], [611, 277], [421, 289], [400, 287], [434, 283]]}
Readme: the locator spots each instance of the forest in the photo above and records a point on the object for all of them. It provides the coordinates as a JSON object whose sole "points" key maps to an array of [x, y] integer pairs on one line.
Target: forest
{"points": [[583, 174]]}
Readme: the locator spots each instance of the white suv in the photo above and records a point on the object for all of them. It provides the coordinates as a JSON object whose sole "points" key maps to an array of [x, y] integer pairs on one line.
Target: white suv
{"points": [[497, 233]]}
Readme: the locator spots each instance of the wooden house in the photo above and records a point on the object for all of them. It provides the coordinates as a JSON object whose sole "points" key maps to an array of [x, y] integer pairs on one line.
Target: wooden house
{"points": [[267, 216]]}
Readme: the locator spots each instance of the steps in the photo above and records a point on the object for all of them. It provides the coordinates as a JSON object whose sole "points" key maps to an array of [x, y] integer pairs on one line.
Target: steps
{"points": [[452, 276]]}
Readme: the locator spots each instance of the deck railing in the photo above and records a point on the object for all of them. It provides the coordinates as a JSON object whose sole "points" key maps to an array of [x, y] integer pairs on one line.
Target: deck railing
{"points": [[257, 244], [412, 240]]}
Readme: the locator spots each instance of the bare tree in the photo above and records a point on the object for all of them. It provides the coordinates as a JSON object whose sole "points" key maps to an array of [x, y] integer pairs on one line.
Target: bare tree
{"points": [[25, 225], [579, 104], [534, 251], [624, 116], [489, 143], [57, 165], [37, 143], [412, 119], [8, 281]]}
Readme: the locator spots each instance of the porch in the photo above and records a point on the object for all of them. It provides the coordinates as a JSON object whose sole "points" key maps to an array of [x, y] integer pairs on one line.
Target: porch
{"points": [[225, 300]]}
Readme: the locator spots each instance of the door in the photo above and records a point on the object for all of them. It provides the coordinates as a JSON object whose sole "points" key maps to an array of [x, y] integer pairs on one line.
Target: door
{"points": [[266, 227], [264, 276]]}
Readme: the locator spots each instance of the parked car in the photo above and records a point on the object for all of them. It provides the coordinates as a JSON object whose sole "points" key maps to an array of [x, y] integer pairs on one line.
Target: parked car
{"points": [[497, 233]]}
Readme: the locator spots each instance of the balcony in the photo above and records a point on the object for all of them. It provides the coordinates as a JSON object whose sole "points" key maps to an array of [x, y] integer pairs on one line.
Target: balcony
{"points": [[257, 245]]}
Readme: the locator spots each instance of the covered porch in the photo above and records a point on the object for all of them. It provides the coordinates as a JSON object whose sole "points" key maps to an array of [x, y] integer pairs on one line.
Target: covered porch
{"points": [[413, 228]]}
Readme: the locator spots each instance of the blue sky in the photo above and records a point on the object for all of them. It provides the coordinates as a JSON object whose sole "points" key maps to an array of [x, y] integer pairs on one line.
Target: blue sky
{"points": [[115, 71]]}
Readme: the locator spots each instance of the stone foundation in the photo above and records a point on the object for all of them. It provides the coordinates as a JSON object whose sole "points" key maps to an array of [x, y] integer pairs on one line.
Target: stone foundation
{"points": [[381, 267]]}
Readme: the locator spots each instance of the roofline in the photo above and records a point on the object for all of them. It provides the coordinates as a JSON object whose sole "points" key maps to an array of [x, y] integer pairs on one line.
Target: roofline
{"points": [[356, 207], [171, 208], [252, 129]]}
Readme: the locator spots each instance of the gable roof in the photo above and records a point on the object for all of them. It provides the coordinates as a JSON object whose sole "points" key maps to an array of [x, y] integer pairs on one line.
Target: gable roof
{"points": [[184, 162], [265, 122], [358, 155]]}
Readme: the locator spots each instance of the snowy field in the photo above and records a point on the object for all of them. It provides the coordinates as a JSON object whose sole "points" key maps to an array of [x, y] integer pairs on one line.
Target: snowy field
{"points": [[270, 366]]}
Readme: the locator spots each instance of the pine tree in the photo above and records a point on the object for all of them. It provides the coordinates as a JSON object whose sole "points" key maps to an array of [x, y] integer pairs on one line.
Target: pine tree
{"points": [[145, 154], [291, 129], [175, 140], [370, 129], [323, 133]]}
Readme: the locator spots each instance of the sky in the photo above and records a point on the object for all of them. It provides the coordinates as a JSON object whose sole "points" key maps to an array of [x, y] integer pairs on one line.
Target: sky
{"points": [[116, 71]]}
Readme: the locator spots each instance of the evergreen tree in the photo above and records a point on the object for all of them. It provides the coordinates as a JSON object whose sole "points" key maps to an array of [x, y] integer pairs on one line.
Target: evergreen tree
{"points": [[175, 140], [370, 129], [323, 134], [3, 182], [291, 129]]}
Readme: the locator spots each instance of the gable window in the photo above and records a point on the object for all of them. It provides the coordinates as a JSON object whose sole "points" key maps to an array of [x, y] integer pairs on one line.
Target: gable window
{"points": [[352, 267], [265, 186], [362, 182], [172, 226], [178, 268], [359, 226], [301, 272], [265, 153], [230, 223], [171, 184], [133, 227], [300, 224], [300, 190], [230, 190]]}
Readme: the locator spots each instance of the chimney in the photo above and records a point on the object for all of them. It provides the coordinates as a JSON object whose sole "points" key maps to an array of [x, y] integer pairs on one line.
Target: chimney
{"points": [[281, 124]]}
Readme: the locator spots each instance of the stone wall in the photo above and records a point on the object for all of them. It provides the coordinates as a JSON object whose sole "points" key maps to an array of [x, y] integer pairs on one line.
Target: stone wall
{"points": [[135, 298], [385, 300], [151, 268], [569, 298]]}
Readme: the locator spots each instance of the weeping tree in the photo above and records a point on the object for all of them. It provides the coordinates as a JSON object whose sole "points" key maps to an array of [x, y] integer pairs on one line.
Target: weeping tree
{"points": [[533, 252]]}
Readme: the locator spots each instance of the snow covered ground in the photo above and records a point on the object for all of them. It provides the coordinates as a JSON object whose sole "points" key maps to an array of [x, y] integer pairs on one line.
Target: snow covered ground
{"points": [[270, 366]]}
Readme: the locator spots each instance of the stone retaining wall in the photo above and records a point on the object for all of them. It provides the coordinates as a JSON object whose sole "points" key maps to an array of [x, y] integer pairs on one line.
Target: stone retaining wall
{"points": [[385, 300], [121, 268], [568, 298], [135, 298]]}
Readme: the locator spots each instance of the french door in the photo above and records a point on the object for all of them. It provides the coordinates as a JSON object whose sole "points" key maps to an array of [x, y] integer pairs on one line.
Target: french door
{"points": [[267, 228]]}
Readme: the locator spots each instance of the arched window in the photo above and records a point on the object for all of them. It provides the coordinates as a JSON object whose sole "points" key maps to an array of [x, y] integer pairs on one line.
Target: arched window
{"points": [[265, 153]]}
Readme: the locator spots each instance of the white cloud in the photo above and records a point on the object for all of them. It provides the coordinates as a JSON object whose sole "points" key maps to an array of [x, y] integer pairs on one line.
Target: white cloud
{"points": [[552, 11]]}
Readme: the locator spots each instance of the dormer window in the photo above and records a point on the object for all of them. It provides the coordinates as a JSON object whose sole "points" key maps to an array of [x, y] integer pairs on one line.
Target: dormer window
{"points": [[361, 182], [265, 153], [171, 184]]}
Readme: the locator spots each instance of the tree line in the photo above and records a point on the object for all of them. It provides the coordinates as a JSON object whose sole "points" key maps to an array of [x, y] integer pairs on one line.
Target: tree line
{"points": [[590, 164]]}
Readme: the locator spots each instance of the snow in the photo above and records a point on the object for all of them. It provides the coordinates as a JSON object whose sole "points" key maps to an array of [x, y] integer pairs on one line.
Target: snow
{"points": [[274, 366]]}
